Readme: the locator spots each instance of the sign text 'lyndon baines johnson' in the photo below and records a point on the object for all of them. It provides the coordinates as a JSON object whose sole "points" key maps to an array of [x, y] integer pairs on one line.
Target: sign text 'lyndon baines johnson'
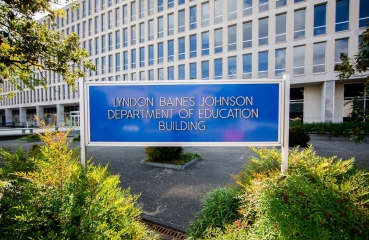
{"points": [[184, 113]]}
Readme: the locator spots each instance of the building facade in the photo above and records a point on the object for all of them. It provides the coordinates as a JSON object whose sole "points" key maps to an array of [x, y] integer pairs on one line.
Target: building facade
{"points": [[163, 40]]}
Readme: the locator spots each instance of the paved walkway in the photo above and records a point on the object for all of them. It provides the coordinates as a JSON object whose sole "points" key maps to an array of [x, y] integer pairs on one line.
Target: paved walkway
{"points": [[172, 197]]}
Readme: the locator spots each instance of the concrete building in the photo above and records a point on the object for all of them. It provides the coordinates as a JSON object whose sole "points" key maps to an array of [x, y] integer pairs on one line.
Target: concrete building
{"points": [[157, 40]]}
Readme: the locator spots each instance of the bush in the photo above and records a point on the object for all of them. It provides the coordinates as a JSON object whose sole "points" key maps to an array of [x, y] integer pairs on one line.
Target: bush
{"points": [[319, 198], [220, 209], [163, 154], [31, 137], [57, 199], [298, 137]]}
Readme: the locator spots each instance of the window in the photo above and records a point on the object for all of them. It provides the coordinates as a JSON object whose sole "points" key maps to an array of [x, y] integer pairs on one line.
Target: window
{"points": [[263, 5], [110, 41], [170, 73], [84, 9], [193, 71], [160, 52], [151, 55], [117, 62], [299, 60], [160, 5], [125, 77], [151, 75], [342, 15], [363, 13], [79, 29], [117, 78], [181, 21], [103, 65], [280, 28], [151, 7], [354, 91], [96, 25], [218, 11], [142, 8], [170, 24], [151, 29], [125, 14], [296, 104], [280, 62], [133, 11], [111, 63], [263, 64], [247, 34], [110, 3], [181, 48], [125, 60], [181, 2], [247, 7], [160, 74], [67, 17], [280, 3], [232, 38], [340, 49], [84, 28], [263, 31], [142, 76], [171, 51], [133, 59], [205, 43], [193, 19], [193, 46], [232, 9], [170, 3], [78, 13], [296, 1], [218, 41], [218, 69], [181, 72], [160, 27], [232, 68], [90, 47], [125, 37], [102, 22], [110, 19], [247, 66], [205, 14], [103, 44], [142, 57], [319, 58], [97, 45], [133, 76], [102, 4], [133, 34], [320, 19], [205, 70], [299, 24], [96, 6], [117, 39], [142, 32]]}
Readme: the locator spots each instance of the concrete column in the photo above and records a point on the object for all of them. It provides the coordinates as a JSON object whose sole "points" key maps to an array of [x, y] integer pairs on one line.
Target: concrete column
{"points": [[22, 116], [8, 115], [329, 95], [40, 112], [60, 114]]}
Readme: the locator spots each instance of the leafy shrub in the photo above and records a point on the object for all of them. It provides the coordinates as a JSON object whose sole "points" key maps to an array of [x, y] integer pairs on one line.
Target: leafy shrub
{"points": [[57, 199], [220, 209], [163, 154], [319, 198], [298, 137], [31, 137], [77, 138]]}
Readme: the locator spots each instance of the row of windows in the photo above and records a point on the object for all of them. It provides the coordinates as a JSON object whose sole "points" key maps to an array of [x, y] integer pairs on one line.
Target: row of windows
{"points": [[136, 58], [341, 19]]}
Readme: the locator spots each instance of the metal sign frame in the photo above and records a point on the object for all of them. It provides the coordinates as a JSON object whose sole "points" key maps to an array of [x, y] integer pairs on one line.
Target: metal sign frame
{"points": [[283, 116]]}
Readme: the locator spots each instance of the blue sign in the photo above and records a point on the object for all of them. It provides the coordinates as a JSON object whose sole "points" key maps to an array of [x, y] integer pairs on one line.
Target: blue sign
{"points": [[184, 113]]}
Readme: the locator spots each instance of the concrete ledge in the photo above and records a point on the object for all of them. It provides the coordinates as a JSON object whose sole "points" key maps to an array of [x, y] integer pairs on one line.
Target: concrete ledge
{"points": [[171, 166]]}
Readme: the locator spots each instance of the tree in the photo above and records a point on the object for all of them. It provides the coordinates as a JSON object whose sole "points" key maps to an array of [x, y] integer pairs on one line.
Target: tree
{"points": [[357, 66], [28, 46]]}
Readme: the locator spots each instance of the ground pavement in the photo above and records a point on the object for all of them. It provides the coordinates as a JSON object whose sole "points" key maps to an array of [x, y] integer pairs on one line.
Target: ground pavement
{"points": [[172, 197]]}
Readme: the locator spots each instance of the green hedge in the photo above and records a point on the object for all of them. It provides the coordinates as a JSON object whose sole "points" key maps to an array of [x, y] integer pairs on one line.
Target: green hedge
{"points": [[334, 129]]}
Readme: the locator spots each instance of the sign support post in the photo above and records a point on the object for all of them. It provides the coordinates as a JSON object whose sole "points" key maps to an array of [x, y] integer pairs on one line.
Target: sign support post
{"points": [[286, 123], [82, 122]]}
